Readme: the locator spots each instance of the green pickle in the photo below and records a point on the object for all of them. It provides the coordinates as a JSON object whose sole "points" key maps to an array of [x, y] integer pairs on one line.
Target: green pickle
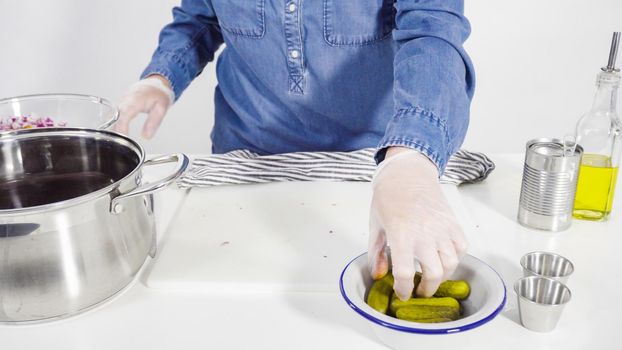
{"points": [[459, 290], [447, 302], [444, 306], [432, 320], [380, 293], [419, 313]]}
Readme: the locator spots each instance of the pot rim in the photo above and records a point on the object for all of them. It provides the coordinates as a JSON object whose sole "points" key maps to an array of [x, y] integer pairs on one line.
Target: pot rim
{"points": [[81, 132]]}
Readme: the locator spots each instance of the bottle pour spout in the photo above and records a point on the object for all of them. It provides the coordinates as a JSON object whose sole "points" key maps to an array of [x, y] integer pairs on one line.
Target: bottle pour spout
{"points": [[613, 53]]}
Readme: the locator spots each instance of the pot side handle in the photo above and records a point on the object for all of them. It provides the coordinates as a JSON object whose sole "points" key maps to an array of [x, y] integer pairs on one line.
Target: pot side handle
{"points": [[182, 160], [115, 117]]}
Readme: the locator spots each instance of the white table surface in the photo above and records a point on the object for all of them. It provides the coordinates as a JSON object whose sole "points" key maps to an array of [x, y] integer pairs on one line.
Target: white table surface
{"points": [[190, 312]]}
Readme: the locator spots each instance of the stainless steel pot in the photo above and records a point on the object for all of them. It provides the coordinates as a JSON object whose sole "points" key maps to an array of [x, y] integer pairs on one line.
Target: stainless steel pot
{"points": [[76, 221]]}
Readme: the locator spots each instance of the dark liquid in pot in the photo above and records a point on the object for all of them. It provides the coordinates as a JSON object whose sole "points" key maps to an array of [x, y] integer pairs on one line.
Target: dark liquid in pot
{"points": [[40, 189]]}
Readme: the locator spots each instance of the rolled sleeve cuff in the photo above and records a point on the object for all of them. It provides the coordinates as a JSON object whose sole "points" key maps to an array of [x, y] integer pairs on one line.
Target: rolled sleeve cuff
{"points": [[420, 130], [170, 67]]}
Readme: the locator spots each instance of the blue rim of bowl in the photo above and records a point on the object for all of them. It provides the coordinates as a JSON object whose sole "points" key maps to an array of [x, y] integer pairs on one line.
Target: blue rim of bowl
{"points": [[422, 330]]}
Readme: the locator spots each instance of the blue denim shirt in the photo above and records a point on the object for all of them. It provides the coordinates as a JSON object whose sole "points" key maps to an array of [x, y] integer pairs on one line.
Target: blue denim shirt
{"points": [[326, 75]]}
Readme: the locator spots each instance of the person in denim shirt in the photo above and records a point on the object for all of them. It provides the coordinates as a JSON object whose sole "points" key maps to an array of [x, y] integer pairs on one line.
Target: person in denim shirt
{"points": [[334, 75]]}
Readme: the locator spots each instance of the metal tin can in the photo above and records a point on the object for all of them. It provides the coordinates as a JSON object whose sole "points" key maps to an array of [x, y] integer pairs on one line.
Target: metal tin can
{"points": [[549, 185]]}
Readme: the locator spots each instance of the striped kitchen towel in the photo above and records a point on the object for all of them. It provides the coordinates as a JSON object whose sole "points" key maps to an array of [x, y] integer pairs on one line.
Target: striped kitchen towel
{"points": [[245, 167]]}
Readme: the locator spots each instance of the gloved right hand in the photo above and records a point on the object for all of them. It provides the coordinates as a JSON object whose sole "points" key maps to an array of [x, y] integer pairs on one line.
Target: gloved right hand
{"points": [[410, 213], [152, 95]]}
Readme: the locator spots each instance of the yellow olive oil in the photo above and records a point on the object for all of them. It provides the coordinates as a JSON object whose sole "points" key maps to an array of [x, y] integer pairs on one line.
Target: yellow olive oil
{"points": [[595, 188]]}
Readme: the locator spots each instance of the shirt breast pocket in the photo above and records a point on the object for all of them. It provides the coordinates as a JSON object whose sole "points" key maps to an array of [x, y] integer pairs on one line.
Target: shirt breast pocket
{"points": [[241, 17], [357, 22]]}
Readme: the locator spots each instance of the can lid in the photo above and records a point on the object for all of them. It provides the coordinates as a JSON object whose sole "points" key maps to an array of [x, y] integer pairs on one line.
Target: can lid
{"points": [[551, 149]]}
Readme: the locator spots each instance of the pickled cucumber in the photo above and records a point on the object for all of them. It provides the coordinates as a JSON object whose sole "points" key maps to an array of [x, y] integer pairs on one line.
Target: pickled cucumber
{"points": [[449, 302], [456, 289], [417, 280], [418, 313], [444, 306], [432, 320], [380, 293]]}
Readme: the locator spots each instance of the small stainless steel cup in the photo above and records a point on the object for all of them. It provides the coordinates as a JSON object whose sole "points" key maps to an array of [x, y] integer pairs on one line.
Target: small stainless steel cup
{"points": [[541, 301], [547, 265], [549, 183]]}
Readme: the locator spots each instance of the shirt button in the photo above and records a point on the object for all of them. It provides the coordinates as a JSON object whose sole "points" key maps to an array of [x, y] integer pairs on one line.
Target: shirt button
{"points": [[291, 7], [294, 54]]}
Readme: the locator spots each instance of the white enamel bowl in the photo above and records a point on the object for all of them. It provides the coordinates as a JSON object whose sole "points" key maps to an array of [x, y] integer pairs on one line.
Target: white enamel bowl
{"points": [[487, 299]]}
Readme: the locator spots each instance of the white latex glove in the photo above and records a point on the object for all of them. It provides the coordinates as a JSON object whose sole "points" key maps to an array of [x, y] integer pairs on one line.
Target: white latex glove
{"points": [[410, 213], [152, 95]]}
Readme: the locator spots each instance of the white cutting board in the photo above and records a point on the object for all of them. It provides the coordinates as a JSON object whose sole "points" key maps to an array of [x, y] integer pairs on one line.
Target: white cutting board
{"points": [[270, 237]]}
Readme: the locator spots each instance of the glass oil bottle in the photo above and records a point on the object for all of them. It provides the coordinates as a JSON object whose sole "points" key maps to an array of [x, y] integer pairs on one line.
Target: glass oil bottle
{"points": [[599, 132]]}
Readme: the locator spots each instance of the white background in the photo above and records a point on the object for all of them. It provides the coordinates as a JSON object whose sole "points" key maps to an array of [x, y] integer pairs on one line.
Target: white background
{"points": [[536, 63]]}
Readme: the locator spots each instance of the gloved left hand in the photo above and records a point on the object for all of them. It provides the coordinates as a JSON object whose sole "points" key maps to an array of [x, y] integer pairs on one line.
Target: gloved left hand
{"points": [[410, 213]]}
